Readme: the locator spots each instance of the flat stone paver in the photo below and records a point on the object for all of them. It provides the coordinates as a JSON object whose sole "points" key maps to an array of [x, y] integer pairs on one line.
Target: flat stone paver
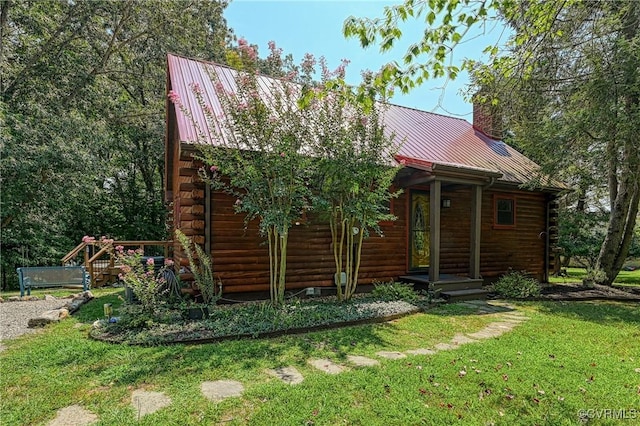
{"points": [[461, 339], [144, 402], [73, 415], [362, 361], [486, 333], [221, 389], [502, 325], [445, 346], [289, 375], [421, 351], [326, 366], [391, 354]]}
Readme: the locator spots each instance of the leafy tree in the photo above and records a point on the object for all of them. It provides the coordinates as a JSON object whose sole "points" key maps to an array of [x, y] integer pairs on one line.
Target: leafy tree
{"points": [[259, 154], [354, 174], [82, 110], [287, 145], [569, 85]]}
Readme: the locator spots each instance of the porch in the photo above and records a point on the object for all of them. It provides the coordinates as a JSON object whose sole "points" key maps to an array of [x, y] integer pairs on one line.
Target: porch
{"points": [[453, 288]]}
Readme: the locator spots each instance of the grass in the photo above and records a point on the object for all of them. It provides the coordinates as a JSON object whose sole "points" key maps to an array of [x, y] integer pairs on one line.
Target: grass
{"points": [[575, 275], [567, 357]]}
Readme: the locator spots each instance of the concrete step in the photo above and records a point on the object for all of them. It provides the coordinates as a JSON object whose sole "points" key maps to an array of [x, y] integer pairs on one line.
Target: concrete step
{"points": [[460, 295]]}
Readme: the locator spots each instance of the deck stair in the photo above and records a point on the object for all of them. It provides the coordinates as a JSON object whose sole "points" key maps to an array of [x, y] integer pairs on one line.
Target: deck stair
{"points": [[101, 262], [452, 288]]}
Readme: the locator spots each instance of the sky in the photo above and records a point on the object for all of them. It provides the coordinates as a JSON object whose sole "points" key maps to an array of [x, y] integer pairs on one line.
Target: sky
{"points": [[306, 26]]}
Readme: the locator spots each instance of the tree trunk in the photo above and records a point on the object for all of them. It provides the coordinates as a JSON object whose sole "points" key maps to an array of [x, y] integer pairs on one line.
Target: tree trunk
{"points": [[622, 219]]}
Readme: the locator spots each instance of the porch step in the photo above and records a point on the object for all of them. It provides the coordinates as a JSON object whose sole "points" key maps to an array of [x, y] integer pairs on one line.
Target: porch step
{"points": [[458, 285], [468, 294]]}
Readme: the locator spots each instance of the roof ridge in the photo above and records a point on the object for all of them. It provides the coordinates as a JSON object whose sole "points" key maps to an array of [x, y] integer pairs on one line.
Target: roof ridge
{"points": [[427, 112]]}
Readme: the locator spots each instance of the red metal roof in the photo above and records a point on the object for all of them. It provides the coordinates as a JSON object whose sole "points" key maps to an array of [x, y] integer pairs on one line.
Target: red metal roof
{"points": [[423, 137]]}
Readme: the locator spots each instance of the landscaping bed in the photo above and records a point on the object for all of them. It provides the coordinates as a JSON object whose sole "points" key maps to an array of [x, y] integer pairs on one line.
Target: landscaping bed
{"points": [[256, 319], [576, 291]]}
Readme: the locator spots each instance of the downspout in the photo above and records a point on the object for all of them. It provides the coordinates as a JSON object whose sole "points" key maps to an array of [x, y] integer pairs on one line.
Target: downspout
{"points": [[492, 180], [207, 220], [547, 241]]}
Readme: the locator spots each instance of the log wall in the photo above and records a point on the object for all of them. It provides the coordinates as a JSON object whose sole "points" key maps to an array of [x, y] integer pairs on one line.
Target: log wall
{"points": [[240, 255], [241, 259]]}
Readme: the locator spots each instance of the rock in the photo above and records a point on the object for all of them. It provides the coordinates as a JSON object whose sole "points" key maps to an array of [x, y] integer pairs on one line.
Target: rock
{"points": [[48, 317], [362, 361], [78, 300], [144, 402], [421, 351], [391, 354], [73, 415], [326, 365], [446, 346], [30, 298], [1, 300], [461, 339], [49, 297], [221, 389], [288, 375], [14, 299]]}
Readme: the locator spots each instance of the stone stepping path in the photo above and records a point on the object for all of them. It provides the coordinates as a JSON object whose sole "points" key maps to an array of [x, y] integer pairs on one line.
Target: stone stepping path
{"points": [[362, 361], [421, 351], [327, 366], [73, 415], [289, 375], [391, 355], [221, 389], [144, 402]]}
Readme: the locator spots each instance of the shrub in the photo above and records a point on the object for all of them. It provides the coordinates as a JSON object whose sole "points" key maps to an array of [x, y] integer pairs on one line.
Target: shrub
{"points": [[517, 285], [147, 282], [394, 291], [202, 270]]}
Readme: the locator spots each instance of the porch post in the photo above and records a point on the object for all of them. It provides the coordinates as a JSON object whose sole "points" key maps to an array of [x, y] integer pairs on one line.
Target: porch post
{"points": [[476, 226], [435, 190]]}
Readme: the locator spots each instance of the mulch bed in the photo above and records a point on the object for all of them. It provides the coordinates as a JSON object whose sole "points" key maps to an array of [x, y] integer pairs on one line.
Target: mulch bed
{"points": [[575, 291]]}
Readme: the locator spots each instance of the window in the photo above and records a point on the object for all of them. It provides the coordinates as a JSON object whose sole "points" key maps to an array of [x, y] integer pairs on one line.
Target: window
{"points": [[504, 209]]}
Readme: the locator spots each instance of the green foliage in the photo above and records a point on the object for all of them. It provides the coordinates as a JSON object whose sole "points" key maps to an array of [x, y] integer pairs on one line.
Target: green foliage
{"points": [[252, 319], [517, 285], [353, 174], [394, 291], [82, 95], [145, 280], [202, 270], [581, 235], [302, 146], [562, 104], [594, 276]]}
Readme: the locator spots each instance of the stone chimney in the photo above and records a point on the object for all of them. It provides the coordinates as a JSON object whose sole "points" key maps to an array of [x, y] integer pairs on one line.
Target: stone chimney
{"points": [[487, 118]]}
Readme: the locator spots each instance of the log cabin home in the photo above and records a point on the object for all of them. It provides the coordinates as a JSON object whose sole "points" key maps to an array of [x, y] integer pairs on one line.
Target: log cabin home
{"points": [[463, 217]]}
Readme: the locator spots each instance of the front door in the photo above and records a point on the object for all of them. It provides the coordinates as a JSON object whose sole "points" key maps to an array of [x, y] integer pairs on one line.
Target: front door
{"points": [[419, 242]]}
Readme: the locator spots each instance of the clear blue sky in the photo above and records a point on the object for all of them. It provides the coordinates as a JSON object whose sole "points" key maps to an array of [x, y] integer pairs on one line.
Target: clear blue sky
{"points": [[315, 27]]}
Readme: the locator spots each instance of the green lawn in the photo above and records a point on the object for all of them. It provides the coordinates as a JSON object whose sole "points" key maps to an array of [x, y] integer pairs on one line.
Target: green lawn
{"points": [[567, 357], [577, 274]]}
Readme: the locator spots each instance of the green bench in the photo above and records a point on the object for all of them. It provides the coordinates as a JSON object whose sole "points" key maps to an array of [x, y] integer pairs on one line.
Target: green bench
{"points": [[51, 276]]}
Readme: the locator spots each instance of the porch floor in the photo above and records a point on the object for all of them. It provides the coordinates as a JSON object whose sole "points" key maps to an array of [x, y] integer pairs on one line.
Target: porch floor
{"points": [[452, 287]]}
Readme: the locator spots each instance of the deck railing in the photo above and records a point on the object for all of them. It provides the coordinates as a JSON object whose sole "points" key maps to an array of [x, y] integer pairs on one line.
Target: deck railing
{"points": [[101, 262]]}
